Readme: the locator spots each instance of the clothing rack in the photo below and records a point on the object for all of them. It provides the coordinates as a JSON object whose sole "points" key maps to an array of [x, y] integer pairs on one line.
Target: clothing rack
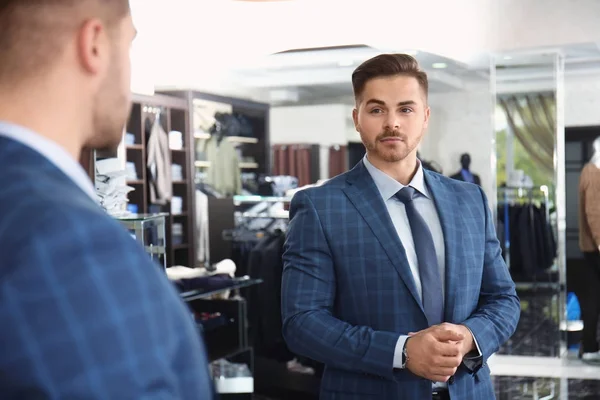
{"points": [[508, 194], [536, 328]]}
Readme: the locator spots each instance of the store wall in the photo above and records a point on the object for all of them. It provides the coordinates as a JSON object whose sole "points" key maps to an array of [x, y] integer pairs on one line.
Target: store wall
{"points": [[319, 124], [461, 122], [582, 100]]}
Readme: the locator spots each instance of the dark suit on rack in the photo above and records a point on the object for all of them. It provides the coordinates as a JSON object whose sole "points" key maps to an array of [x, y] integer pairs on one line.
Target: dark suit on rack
{"points": [[348, 292], [85, 313]]}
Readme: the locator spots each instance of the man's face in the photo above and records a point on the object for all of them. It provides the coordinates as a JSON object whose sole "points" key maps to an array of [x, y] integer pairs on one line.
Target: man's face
{"points": [[391, 117], [112, 103]]}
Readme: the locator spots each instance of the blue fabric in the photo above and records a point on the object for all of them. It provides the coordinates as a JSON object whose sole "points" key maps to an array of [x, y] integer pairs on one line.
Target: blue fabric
{"points": [[85, 313], [573, 308], [52, 151], [467, 175], [348, 292], [431, 283]]}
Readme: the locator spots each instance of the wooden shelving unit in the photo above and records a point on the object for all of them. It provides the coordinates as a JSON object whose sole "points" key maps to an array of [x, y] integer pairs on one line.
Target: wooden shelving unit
{"points": [[255, 152], [174, 116]]}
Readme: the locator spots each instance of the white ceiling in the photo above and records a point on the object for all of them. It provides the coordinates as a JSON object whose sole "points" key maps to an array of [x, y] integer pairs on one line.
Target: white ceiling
{"points": [[323, 76], [223, 46]]}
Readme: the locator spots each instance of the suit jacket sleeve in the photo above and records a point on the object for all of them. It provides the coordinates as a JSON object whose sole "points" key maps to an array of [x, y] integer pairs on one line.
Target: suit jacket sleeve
{"points": [[497, 314], [308, 297], [91, 316]]}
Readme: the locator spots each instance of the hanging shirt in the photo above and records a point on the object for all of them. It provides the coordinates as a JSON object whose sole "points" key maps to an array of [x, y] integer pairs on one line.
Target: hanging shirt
{"points": [[224, 172], [159, 163], [202, 226]]}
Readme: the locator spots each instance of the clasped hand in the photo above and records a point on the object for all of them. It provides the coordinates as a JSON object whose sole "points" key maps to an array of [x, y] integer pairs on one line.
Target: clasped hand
{"points": [[437, 352]]}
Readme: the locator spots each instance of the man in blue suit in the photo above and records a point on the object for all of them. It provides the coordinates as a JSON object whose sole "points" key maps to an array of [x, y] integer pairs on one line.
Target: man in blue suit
{"points": [[393, 277], [84, 312]]}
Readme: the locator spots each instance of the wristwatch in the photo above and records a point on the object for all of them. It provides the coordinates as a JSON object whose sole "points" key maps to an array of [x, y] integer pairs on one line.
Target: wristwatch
{"points": [[404, 354]]}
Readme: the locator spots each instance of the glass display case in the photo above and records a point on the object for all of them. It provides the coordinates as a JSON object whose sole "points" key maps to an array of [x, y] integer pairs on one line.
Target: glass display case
{"points": [[150, 231]]}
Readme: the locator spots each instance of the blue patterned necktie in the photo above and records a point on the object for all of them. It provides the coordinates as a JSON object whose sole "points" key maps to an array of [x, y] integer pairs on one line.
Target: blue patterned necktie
{"points": [[431, 283]]}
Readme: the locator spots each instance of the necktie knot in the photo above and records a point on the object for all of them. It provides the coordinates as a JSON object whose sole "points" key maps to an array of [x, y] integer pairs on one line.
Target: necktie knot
{"points": [[406, 194]]}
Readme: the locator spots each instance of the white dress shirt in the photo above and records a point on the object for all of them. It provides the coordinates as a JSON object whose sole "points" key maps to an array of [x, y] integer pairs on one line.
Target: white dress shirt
{"points": [[56, 154], [425, 205]]}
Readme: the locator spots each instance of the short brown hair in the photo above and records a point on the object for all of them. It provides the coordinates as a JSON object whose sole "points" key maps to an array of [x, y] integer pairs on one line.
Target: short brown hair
{"points": [[385, 65], [34, 32]]}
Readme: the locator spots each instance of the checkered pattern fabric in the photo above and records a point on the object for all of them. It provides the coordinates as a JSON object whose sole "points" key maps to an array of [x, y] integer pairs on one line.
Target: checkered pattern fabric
{"points": [[348, 292], [84, 312]]}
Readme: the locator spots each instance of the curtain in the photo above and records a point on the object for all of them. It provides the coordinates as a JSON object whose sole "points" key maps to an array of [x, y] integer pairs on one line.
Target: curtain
{"points": [[293, 160], [338, 160], [531, 119]]}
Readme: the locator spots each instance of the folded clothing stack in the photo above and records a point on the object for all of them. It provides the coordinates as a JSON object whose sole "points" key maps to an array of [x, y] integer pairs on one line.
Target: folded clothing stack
{"points": [[111, 187]]}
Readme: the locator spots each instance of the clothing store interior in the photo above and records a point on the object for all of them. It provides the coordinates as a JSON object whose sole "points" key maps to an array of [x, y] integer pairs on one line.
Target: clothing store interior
{"points": [[226, 127]]}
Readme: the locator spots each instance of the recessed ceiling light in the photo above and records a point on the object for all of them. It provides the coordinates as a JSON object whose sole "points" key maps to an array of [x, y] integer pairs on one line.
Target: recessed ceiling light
{"points": [[507, 57], [346, 63], [439, 65]]}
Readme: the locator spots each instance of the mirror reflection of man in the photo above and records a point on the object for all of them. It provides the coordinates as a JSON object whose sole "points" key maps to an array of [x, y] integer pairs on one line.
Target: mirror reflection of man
{"points": [[393, 275], [85, 314]]}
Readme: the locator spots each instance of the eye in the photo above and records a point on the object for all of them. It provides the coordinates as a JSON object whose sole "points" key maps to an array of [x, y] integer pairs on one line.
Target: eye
{"points": [[376, 111], [406, 110]]}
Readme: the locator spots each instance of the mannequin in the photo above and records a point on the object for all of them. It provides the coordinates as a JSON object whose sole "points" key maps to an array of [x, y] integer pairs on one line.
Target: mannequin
{"points": [[589, 243], [465, 174]]}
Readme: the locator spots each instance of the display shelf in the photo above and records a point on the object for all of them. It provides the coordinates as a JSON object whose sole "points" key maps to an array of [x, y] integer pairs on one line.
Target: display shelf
{"points": [[203, 294], [202, 164], [249, 165]]}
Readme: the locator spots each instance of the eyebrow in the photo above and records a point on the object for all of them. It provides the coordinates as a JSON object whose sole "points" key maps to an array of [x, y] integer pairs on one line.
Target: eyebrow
{"points": [[400, 104]]}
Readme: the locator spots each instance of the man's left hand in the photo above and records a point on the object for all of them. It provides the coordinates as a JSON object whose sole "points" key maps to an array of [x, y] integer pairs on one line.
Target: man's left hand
{"points": [[467, 345]]}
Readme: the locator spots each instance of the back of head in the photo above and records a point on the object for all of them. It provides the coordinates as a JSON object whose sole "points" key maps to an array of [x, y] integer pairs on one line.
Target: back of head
{"points": [[74, 56], [387, 65], [34, 33]]}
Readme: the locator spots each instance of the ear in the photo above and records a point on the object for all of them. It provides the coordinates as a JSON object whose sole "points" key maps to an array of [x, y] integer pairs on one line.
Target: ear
{"points": [[355, 119], [93, 47], [427, 114]]}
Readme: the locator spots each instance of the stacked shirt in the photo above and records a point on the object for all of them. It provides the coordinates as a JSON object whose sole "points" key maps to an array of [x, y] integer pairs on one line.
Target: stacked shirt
{"points": [[111, 187]]}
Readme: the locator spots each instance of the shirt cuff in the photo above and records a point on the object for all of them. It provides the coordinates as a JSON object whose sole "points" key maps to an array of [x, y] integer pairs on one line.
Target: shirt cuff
{"points": [[474, 359], [477, 352], [398, 352]]}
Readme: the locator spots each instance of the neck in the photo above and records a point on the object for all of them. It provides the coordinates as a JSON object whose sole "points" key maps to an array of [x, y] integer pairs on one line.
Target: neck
{"points": [[52, 119], [403, 171]]}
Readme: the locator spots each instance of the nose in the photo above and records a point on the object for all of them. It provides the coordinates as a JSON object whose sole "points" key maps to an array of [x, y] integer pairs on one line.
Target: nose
{"points": [[392, 122]]}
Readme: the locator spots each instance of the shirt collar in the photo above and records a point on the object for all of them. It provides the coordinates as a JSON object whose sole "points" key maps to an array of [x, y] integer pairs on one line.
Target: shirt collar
{"points": [[388, 186], [53, 152]]}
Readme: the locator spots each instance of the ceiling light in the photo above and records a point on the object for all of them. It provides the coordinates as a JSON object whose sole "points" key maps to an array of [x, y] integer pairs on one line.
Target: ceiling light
{"points": [[507, 57], [439, 65], [346, 63]]}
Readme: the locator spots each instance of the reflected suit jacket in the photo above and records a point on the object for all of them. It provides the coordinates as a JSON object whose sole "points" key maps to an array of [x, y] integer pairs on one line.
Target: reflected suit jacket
{"points": [[348, 292]]}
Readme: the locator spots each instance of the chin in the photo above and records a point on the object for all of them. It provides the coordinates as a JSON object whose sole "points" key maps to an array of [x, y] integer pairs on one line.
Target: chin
{"points": [[391, 156]]}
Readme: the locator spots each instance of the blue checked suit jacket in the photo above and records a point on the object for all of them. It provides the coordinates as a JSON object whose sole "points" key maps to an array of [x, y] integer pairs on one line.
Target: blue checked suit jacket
{"points": [[348, 292], [84, 312]]}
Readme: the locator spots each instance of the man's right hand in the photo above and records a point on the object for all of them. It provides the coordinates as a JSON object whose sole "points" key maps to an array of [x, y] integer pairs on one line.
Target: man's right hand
{"points": [[434, 353]]}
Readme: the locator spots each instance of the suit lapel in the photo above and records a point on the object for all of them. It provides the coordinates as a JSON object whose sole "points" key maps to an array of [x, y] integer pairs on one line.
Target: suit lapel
{"points": [[447, 206], [364, 195]]}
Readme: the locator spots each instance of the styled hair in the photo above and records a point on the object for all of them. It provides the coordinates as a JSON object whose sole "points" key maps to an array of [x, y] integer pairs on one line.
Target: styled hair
{"points": [[33, 33], [386, 65]]}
